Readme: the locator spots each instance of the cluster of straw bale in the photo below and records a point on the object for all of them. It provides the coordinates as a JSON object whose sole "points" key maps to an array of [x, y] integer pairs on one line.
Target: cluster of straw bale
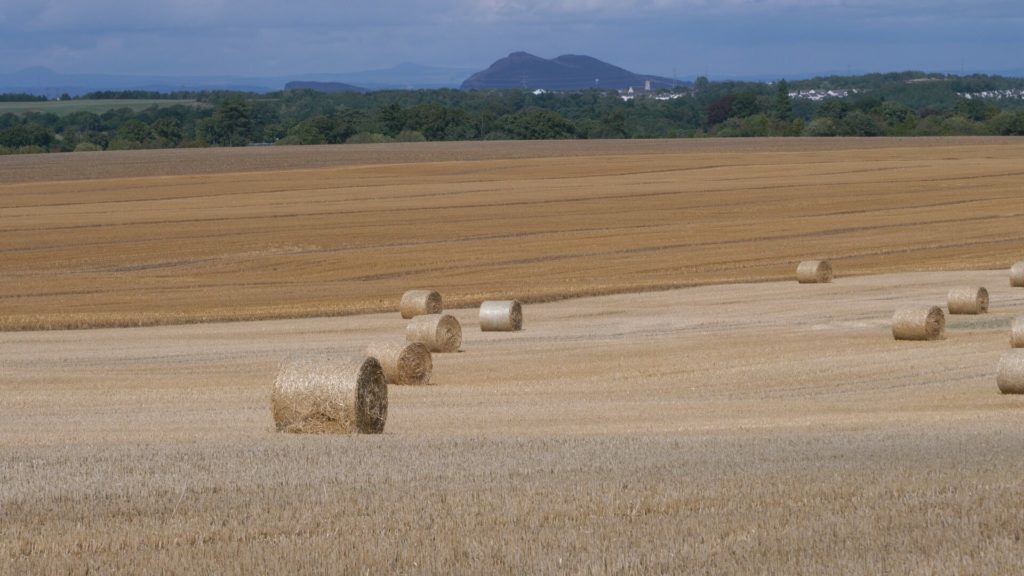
{"points": [[349, 394], [1010, 377], [929, 323]]}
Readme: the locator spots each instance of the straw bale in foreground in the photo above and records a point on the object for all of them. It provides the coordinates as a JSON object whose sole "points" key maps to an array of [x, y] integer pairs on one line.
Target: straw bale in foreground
{"points": [[968, 300], [419, 302], [319, 395], [814, 272], [501, 316], [925, 323], [438, 332], [403, 362], [1011, 372]]}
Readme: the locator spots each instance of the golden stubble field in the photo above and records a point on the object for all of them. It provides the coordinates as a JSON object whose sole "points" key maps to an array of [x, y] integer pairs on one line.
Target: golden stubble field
{"points": [[746, 428], [754, 427], [554, 221]]}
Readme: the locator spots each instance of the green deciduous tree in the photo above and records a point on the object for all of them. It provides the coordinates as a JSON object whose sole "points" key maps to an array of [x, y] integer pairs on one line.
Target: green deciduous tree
{"points": [[783, 108]]}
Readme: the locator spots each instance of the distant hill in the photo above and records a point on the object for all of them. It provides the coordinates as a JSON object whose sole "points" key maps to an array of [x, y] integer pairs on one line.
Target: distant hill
{"points": [[404, 76], [327, 87], [567, 72]]}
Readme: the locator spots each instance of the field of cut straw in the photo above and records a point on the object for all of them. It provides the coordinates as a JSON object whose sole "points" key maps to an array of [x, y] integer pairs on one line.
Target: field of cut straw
{"points": [[675, 403], [748, 428], [136, 238]]}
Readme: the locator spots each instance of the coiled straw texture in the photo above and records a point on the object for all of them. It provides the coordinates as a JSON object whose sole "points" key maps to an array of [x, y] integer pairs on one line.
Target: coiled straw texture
{"points": [[438, 332], [814, 272], [1017, 332], [419, 302], [319, 395], [926, 323], [404, 363], [968, 300], [1017, 275], [501, 316], [1011, 372]]}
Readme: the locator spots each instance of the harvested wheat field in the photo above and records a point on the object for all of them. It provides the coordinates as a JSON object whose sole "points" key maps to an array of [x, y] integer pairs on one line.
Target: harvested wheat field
{"points": [[104, 244], [675, 403], [743, 428]]}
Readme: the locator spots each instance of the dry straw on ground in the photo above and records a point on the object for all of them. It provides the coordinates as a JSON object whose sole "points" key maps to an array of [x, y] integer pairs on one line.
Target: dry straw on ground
{"points": [[919, 323], [968, 300], [501, 316], [814, 272], [419, 302], [1017, 332], [438, 332], [319, 395], [403, 362], [1011, 372], [1017, 275]]}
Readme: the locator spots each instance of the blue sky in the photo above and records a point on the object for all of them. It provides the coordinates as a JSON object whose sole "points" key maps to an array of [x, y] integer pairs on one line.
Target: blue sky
{"points": [[722, 38]]}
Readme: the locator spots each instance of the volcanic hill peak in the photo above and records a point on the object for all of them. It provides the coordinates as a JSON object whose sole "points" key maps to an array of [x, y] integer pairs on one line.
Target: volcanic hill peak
{"points": [[566, 72]]}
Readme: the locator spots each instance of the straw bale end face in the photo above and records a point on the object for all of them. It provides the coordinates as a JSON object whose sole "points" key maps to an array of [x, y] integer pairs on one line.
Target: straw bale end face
{"points": [[327, 395], [501, 316], [1010, 377], [1017, 275], [438, 332], [420, 302], [814, 272], [968, 300], [925, 323]]}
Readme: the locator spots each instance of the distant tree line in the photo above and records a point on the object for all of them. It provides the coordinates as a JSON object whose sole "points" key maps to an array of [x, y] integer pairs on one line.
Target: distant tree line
{"points": [[21, 97], [888, 105]]}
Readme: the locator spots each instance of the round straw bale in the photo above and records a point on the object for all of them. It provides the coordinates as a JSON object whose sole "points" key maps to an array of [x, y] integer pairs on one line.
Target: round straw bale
{"points": [[814, 272], [968, 300], [1011, 372], [501, 316], [438, 332], [927, 323], [1017, 275], [403, 362], [1017, 332], [420, 302], [320, 395]]}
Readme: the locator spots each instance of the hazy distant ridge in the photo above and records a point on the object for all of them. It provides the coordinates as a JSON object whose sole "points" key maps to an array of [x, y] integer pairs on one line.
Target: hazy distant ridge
{"points": [[327, 87], [46, 82]]}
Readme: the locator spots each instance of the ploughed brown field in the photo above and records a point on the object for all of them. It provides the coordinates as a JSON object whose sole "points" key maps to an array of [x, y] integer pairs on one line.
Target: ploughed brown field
{"points": [[555, 220], [745, 425]]}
